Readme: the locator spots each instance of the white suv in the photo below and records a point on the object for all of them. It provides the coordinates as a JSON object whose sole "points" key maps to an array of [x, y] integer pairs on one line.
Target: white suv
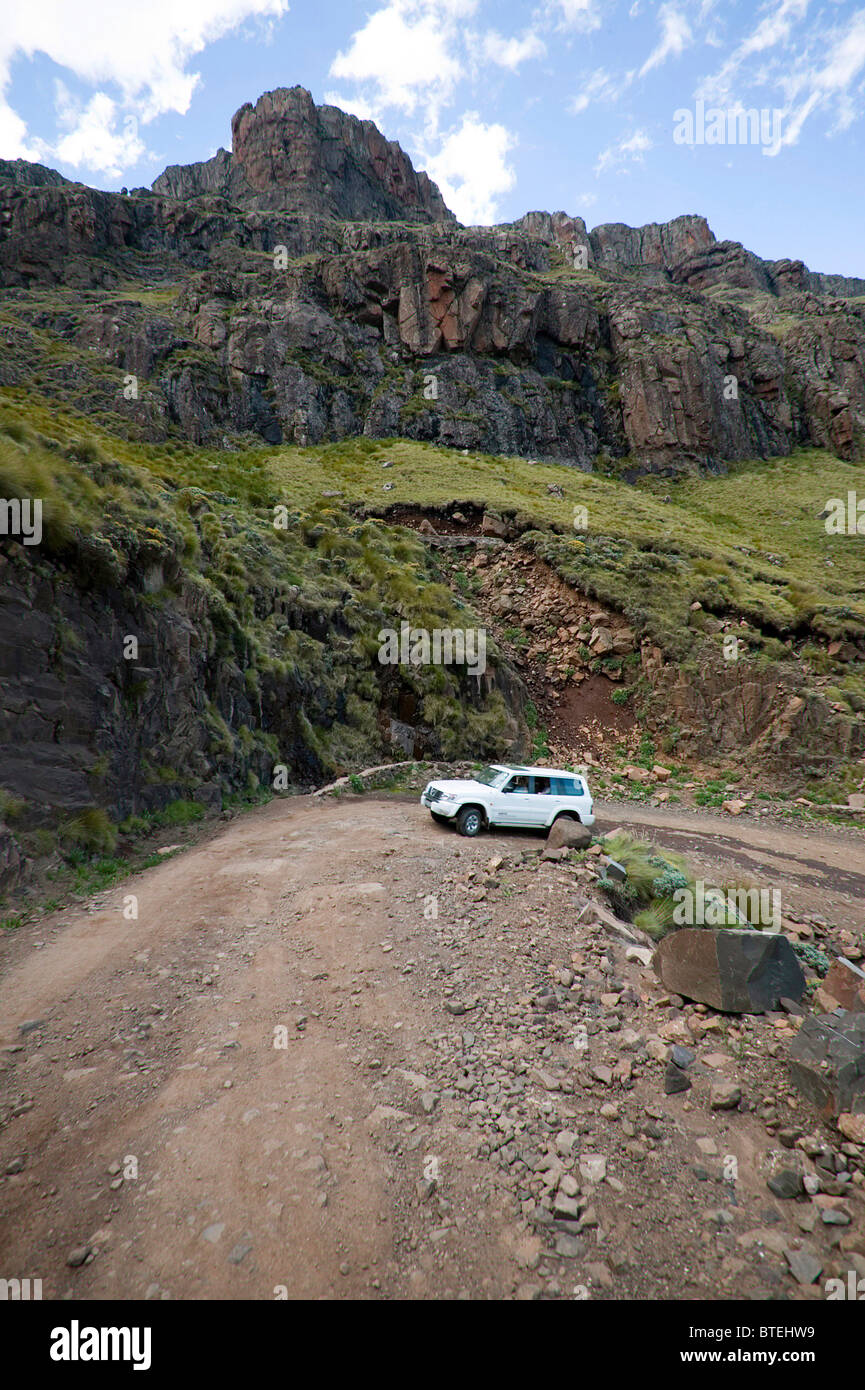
{"points": [[519, 796]]}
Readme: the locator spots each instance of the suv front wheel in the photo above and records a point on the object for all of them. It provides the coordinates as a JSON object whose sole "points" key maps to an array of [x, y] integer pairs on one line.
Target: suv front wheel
{"points": [[469, 821]]}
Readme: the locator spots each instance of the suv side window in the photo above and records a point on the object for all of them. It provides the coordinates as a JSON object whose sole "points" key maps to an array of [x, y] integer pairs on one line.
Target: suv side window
{"points": [[541, 786], [568, 786], [517, 784]]}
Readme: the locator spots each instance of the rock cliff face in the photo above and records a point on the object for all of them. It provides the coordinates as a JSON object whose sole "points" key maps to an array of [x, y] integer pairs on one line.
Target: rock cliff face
{"points": [[270, 292], [240, 667], [289, 155]]}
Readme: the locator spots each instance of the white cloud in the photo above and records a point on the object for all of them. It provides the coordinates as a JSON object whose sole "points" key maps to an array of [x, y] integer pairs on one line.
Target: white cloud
{"points": [[847, 58], [627, 151], [583, 16], [599, 87], [472, 170], [96, 136], [407, 50], [773, 30], [15, 143], [586, 200], [355, 106], [831, 83], [806, 71], [675, 37], [510, 53], [141, 49]]}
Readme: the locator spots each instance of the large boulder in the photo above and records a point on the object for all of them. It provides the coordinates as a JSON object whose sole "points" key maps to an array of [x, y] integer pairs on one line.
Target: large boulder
{"points": [[827, 1062], [740, 972], [845, 986], [568, 834]]}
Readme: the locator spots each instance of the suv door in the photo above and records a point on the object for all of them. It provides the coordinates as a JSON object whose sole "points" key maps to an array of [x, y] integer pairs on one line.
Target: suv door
{"points": [[514, 802], [543, 802]]}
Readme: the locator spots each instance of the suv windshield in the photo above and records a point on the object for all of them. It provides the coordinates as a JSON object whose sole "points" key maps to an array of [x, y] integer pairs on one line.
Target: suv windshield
{"points": [[489, 776]]}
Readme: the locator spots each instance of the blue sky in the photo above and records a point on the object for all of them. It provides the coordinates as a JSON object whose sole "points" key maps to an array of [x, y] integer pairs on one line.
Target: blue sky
{"points": [[575, 104]]}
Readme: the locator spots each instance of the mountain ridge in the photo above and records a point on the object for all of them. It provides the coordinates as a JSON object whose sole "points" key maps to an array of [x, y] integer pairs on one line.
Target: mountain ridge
{"points": [[290, 155], [305, 286]]}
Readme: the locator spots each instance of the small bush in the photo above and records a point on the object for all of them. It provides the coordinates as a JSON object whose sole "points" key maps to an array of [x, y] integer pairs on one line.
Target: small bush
{"points": [[90, 833], [12, 808], [180, 812], [812, 956]]}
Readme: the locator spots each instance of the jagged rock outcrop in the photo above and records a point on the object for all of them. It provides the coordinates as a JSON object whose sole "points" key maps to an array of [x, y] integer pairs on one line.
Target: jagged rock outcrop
{"points": [[289, 155], [657, 245], [21, 171], [766, 711], [311, 286], [683, 251]]}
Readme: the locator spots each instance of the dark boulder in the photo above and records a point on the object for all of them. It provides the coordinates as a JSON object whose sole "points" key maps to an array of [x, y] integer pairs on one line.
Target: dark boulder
{"points": [[733, 971]]}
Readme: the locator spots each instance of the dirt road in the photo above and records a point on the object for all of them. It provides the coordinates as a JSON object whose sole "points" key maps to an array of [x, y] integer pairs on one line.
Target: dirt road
{"points": [[321, 1062]]}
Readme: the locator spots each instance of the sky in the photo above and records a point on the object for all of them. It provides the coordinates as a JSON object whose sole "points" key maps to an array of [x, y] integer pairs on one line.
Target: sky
{"points": [[751, 114]]}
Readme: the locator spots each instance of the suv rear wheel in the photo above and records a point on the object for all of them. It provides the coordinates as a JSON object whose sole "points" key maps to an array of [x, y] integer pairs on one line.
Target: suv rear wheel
{"points": [[469, 821]]}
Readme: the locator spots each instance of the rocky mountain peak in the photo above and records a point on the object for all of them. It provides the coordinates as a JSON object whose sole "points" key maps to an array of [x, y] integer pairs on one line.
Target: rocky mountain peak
{"points": [[290, 155]]}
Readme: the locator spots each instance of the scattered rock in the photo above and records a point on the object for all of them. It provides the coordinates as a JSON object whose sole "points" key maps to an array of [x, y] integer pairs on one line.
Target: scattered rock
{"points": [[851, 1126], [725, 1095], [681, 1056], [834, 1216], [554, 856], [804, 1264], [593, 1167], [845, 984], [617, 872], [786, 1184], [239, 1252], [29, 1026], [675, 1080], [570, 1247], [640, 953], [827, 1062]]}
